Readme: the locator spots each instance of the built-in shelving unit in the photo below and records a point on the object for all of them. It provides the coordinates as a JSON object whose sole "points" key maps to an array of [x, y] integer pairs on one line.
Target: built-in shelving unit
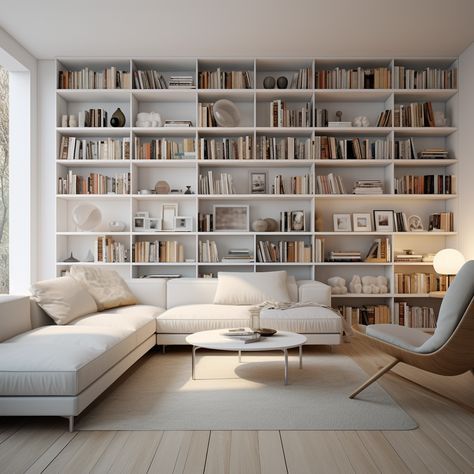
{"points": [[254, 107]]}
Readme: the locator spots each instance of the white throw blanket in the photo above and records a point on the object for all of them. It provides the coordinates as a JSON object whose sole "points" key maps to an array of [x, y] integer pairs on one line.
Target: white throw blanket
{"points": [[255, 312]]}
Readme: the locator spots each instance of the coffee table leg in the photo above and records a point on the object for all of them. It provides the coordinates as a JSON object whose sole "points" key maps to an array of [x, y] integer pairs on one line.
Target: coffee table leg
{"points": [[301, 357], [193, 362], [285, 352], [240, 356]]}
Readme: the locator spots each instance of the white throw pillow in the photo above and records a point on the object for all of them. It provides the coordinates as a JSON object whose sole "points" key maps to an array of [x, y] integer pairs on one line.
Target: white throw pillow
{"points": [[237, 288], [107, 287], [63, 299]]}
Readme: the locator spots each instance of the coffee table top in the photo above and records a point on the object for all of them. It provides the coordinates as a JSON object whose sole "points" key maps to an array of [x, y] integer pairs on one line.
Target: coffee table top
{"points": [[217, 340]]}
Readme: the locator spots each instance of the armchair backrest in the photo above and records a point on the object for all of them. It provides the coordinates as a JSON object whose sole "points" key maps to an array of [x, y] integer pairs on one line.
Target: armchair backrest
{"points": [[454, 305]]}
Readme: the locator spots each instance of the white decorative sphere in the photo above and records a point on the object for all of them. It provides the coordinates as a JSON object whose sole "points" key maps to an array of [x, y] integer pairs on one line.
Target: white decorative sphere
{"points": [[448, 261], [86, 216], [226, 113]]}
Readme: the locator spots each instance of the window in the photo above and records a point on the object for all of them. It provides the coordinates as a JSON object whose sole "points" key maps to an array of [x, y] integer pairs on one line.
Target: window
{"points": [[4, 149]]}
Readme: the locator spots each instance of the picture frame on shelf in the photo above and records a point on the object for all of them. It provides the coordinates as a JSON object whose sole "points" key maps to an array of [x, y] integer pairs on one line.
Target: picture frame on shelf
{"points": [[139, 224], [168, 213], [231, 218], [152, 224], [362, 222], [183, 223], [383, 220], [415, 224], [297, 221], [258, 182], [342, 222]]}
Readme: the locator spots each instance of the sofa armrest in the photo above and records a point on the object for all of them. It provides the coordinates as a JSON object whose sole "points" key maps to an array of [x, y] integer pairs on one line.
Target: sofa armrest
{"points": [[314, 292], [14, 316]]}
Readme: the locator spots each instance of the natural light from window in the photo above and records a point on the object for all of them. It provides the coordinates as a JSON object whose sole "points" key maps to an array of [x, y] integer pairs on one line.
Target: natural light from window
{"points": [[4, 133]]}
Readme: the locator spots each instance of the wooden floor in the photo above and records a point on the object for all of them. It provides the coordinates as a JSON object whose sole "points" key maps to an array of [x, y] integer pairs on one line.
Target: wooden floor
{"points": [[444, 441]]}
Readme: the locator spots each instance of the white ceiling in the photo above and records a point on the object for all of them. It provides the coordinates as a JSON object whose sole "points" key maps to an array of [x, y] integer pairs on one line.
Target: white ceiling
{"points": [[50, 28]]}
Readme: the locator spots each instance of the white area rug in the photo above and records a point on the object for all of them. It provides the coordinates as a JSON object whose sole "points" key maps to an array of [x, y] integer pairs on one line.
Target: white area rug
{"points": [[159, 394]]}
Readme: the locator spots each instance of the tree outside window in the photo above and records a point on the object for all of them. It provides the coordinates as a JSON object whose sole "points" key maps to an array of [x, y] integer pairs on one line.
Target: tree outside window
{"points": [[4, 132]]}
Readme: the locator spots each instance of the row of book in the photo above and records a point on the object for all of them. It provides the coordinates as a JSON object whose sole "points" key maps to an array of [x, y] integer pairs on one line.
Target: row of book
{"points": [[205, 222], [425, 184], [207, 251], [330, 184], [282, 116], [384, 119], [421, 283], [164, 149], [230, 148], [152, 79], [441, 221], [209, 184], [414, 316], [108, 250], [206, 116], [321, 117], [366, 314], [301, 79], [95, 183], [428, 78], [292, 184], [283, 251], [292, 221], [72, 148], [224, 79], [158, 251], [284, 148], [354, 78], [380, 251], [93, 118], [414, 115], [109, 78], [319, 252], [333, 148]]}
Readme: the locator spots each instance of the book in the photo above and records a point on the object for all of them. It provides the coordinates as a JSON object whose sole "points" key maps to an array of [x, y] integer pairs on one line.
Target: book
{"points": [[354, 78]]}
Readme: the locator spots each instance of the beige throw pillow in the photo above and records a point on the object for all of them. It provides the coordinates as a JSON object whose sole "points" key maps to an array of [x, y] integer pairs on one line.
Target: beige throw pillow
{"points": [[63, 299], [238, 288], [107, 287]]}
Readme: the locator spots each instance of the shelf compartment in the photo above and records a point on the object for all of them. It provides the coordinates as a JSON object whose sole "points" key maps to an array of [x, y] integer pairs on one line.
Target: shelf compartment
{"points": [[94, 163]]}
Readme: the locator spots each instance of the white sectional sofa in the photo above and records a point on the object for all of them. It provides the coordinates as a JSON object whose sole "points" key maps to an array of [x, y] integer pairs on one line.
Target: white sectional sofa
{"points": [[48, 369]]}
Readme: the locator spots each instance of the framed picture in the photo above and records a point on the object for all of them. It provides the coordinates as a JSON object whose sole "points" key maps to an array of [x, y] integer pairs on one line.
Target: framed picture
{"points": [[342, 222], [142, 214], [258, 182], [231, 218], [152, 224], [139, 224], [383, 221], [362, 222], [415, 224], [297, 221], [183, 224], [168, 213]]}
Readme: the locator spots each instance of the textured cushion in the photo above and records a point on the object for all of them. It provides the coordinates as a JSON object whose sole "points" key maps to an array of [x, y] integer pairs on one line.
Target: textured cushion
{"points": [[107, 288], [201, 317], [304, 320], [314, 292], [407, 338], [61, 360], [63, 299], [453, 307], [14, 316], [244, 288]]}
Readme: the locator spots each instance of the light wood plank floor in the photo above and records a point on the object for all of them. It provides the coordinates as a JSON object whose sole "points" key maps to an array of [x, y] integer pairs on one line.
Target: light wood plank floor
{"points": [[443, 443]]}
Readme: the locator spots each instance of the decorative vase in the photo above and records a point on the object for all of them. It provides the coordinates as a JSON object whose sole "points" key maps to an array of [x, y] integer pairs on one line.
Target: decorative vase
{"points": [[71, 259], [282, 82], [188, 190], [118, 119], [269, 82], [86, 216], [272, 224], [162, 187], [259, 225], [116, 226]]}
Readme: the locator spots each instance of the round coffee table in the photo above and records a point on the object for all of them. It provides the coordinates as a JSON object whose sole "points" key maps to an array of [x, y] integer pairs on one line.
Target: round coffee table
{"points": [[217, 340]]}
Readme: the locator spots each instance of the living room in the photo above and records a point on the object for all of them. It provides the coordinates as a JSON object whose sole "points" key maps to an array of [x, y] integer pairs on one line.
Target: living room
{"points": [[236, 237]]}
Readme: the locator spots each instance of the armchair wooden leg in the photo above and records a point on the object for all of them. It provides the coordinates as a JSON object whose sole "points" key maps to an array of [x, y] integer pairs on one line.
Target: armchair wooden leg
{"points": [[374, 377]]}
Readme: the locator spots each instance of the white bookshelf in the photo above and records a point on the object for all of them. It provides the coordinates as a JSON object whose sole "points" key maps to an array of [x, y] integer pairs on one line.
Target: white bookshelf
{"points": [[254, 104]]}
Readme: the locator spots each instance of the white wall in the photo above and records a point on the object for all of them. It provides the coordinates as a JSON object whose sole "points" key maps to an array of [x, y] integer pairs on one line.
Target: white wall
{"points": [[466, 153]]}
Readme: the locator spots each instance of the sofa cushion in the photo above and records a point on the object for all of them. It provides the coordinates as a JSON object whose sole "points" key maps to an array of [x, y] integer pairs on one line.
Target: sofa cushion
{"points": [[304, 320], [62, 360], [14, 316], [407, 338], [63, 299], [249, 288], [201, 317], [107, 287]]}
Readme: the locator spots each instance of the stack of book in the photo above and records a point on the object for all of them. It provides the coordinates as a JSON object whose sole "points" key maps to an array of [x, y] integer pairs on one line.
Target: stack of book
{"points": [[428, 78], [164, 251], [107, 250], [282, 116], [205, 223], [355, 78], [178, 123], [164, 149], [344, 256], [292, 184], [409, 258], [238, 256], [414, 115], [208, 251], [385, 119], [232, 148], [93, 118], [330, 184], [333, 148], [426, 184], [72, 148], [380, 251], [149, 79], [181, 82], [414, 316], [433, 154], [367, 314], [224, 79], [95, 183], [421, 283], [441, 222], [367, 186], [284, 148], [283, 251], [110, 78], [223, 184]]}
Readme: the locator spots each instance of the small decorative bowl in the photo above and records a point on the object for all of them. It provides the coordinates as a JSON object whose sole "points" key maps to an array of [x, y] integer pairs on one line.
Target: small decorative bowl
{"points": [[266, 332]]}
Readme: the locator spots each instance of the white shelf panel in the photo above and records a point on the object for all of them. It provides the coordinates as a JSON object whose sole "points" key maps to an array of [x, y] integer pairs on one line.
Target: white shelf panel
{"points": [[94, 131], [287, 131], [94, 163], [353, 264], [164, 163], [349, 131], [111, 264], [225, 131], [162, 233], [236, 95], [423, 131], [289, 95], [259, 197], [428, 163], [222, 264], [413, 264], [165, 95], [256, 233], [91, 234], [286, 264], [94, 95], [351, 163], [352, 95], [257, 163], [362, 295], [424, 95], [163, 264], [426, 234], [163, 197], [333, 233], [411, 295], [386, 197], [164, 131], [98, 197]]}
